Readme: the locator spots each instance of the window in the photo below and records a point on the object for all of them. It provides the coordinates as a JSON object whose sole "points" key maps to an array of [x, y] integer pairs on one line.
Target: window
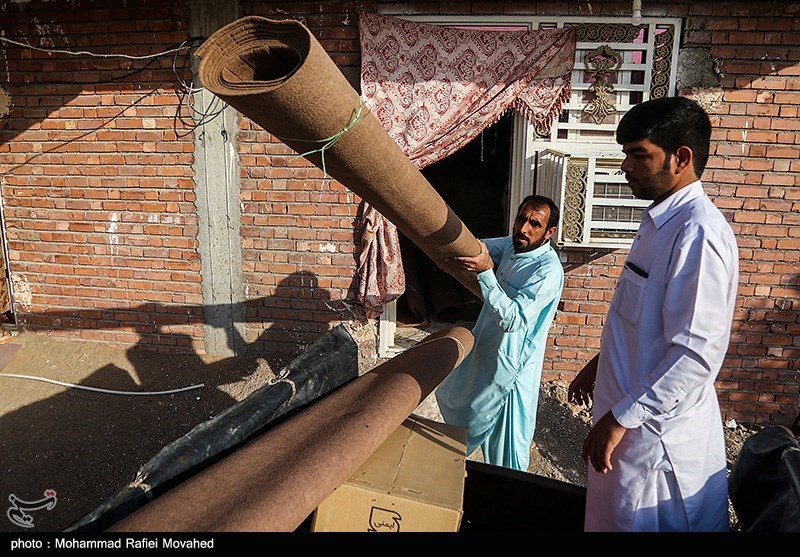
{"points": [[617, 65], [597, 208]]}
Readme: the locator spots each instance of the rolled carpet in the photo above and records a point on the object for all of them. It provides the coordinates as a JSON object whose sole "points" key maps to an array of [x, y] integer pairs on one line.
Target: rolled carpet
{"points": [[279, 76], [274, 483]]}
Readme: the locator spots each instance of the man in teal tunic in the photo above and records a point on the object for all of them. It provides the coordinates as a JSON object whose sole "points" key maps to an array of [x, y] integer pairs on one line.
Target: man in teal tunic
{"points": [[495, 390]]}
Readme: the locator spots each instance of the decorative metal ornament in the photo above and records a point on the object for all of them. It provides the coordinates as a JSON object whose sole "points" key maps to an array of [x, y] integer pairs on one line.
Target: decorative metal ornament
{"points": [[575, 200], [662, 58], [600, 64], [607, 32]]}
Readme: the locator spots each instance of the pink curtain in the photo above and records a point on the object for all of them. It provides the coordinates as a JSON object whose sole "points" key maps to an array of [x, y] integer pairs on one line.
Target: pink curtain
{"points": [[434, 89]]}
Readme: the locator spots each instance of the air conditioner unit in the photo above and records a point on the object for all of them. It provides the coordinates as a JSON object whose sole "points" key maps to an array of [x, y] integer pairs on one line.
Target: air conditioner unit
{"points": [[597, 207]]}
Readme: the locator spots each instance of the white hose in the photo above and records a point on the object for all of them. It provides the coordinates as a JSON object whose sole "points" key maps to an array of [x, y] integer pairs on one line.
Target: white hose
{"points": [[97, 390]]}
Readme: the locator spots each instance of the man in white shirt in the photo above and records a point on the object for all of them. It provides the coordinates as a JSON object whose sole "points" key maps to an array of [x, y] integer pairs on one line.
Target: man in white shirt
{"points": [[656, 448]]}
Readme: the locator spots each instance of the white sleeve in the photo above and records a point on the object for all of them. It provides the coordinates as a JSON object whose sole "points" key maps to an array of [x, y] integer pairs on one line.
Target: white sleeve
{"points": [[695, 325]]}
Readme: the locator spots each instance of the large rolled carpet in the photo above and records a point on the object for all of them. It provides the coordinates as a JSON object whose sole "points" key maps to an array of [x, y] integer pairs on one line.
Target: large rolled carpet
{"points": [[279, 76]]}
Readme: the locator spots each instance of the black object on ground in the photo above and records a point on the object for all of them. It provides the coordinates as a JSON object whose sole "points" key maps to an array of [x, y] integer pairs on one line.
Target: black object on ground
{"points": [[500, 499], [764, 486]]}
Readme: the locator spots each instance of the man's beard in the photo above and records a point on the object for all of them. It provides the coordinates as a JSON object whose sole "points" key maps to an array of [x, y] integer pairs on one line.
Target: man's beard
{"points": [[518, 248]]}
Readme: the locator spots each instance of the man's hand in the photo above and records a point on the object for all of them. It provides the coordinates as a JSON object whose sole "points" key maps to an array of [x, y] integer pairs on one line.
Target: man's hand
{"points": [[603, 438], [477, 264], [581, 390]]}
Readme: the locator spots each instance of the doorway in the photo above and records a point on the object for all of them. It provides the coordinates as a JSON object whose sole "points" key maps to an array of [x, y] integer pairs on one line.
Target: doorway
{"points": [[474, 182]]}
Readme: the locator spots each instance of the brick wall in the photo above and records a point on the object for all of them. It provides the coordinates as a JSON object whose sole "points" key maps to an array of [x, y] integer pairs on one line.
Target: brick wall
{"points": [[99, 187], [101, 220], [299, 229], [96, 174], [754, 177]]}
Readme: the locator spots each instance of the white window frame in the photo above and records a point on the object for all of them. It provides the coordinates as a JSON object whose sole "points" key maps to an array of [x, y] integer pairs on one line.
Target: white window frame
{"points": [[561, 174], [526, 145], [387, 327]]}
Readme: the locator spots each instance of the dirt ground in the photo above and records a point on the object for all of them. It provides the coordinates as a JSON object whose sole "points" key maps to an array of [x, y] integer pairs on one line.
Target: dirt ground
{"points": [[86, 445]]}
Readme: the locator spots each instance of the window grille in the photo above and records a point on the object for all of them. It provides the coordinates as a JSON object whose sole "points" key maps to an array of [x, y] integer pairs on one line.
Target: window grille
{"points": [[617, 65], [597, 207]]}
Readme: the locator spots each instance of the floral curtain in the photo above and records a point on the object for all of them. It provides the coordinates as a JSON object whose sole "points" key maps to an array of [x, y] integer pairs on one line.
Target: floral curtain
{"points": [[434, 89]]}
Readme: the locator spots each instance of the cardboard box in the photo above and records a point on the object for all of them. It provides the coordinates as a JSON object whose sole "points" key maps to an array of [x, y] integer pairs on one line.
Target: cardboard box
{"points": [[414, 482]]}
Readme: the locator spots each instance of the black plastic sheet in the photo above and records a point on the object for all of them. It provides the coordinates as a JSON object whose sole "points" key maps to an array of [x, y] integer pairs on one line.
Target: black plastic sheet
{"points": [[764, 485]]}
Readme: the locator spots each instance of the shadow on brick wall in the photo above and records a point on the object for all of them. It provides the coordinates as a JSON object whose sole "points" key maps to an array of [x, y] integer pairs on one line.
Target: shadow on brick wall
{"points": [[286, 322]]}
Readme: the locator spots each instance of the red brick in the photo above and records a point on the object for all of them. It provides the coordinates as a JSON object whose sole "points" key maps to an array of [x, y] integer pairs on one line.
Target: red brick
{"points": [[787, 97], [740, 96]]}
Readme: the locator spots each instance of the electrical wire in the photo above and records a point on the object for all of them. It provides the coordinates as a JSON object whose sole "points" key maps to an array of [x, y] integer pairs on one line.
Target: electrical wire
{"points": [[188, 44], [186, 98], [87, 53], [98, 390], [186, 114]]}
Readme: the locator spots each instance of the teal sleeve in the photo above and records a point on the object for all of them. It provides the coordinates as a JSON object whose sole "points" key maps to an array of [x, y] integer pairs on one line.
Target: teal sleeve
{"points": [[514, 313]]}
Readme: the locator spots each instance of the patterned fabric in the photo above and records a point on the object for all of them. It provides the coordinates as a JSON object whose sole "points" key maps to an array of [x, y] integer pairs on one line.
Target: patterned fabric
{"points": [[381, 273], [434, 89]]}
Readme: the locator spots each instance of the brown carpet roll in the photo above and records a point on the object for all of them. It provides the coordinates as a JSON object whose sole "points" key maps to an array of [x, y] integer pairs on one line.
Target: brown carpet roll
{"points": [[274, 483], [278, 75]]}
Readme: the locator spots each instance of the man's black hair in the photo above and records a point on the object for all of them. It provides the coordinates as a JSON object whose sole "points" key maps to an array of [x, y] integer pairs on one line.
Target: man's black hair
{"points": [[542, 201], [669, 123]]}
